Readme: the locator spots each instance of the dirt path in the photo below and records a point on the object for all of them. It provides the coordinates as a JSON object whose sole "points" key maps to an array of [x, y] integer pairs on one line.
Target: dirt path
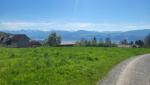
{"points": [[135, 71]]}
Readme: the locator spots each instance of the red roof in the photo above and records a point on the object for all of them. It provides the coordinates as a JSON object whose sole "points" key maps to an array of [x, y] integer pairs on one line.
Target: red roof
{"points": [[19, 37]]}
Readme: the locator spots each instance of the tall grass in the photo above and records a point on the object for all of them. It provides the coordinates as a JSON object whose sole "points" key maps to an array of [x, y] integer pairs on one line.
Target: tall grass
{"points": [[60, 65]]}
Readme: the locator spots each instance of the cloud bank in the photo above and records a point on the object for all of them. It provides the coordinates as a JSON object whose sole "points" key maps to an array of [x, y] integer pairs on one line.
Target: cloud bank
{"points": [[71, 26]]}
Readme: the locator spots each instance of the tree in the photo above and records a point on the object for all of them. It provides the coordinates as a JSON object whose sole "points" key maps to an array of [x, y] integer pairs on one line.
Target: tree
{"points": [[131, 43], [53, 39], [147, 41], [101, 41], [108, 42], [140, 43], [94, 41], [83, 42], [8, 41], [4, 37], [124, 42]]}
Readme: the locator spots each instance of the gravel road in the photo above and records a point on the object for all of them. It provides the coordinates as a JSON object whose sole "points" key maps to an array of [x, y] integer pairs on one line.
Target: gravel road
{"points": [[134, 71]]}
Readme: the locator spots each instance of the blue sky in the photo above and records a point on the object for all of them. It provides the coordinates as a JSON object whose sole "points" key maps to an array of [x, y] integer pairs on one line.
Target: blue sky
{"points": [[96, 15]]}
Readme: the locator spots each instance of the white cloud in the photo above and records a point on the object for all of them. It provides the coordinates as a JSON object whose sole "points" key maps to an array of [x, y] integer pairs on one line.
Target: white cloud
{"points": [[71, 26]]}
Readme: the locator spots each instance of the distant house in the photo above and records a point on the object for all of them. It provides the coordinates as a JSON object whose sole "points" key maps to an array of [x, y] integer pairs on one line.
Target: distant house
{"points": [[34, 43], [14, 40], [19, 40], [67, 44], [125, 46]]}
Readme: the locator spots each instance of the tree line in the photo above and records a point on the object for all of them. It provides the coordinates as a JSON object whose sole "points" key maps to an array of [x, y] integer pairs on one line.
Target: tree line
{"points": [[55, 40], [138, 43], [97, 43]]}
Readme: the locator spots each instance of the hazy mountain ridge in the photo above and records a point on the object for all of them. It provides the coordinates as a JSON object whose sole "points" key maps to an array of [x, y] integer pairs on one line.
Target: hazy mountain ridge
{"points": [[77, 35]]}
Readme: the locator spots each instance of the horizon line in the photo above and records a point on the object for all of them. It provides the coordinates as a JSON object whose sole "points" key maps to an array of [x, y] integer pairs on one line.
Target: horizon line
{"points": [[70, 30]]}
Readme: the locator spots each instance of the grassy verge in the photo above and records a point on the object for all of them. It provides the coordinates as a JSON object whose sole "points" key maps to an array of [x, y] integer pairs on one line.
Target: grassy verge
{"points": [[60, 65]]}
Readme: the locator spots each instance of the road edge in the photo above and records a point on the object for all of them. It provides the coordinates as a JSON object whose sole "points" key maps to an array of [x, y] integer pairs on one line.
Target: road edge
{"points": [[114, 74]]}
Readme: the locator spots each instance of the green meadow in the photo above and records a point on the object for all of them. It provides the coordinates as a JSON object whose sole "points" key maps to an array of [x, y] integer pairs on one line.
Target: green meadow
{"points": [[60, 65]]}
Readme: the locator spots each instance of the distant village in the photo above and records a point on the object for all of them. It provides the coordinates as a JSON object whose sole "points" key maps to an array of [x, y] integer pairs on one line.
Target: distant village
{"points": [[23, 41]]}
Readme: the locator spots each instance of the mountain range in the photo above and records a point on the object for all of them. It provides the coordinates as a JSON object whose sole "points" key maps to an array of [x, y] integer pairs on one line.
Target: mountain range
{"points": [[82, 34]]}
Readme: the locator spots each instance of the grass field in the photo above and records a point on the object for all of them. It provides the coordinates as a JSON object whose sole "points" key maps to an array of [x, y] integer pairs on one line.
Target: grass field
{"points": [[60, 65]]}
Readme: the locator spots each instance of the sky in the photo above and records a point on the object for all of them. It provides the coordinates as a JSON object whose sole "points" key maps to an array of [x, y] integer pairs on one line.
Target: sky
{"points": [[72, 15]]}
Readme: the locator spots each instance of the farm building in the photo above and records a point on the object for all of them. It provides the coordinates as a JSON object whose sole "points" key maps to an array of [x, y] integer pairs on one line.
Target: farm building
{"points": [[19, 40], [67, 44], [34, 43]]}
